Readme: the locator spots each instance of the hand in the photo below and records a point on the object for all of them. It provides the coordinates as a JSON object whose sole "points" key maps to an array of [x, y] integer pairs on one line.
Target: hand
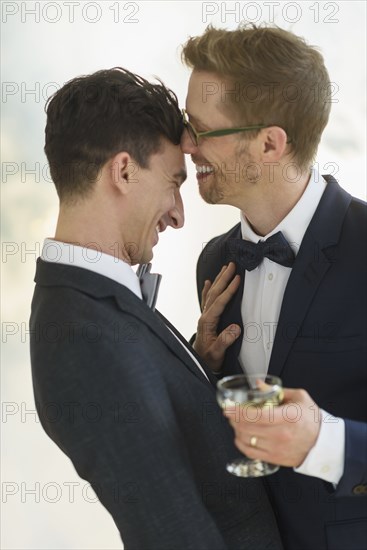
{"points": [[208, 344], [284, 434]]}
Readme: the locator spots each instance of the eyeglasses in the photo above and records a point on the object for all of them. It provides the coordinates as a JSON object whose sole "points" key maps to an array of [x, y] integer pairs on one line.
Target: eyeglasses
{"points": [[194, 135]]}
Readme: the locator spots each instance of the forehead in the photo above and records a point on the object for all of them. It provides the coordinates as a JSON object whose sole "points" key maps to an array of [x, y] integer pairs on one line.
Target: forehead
{"points": [[207, 99], [170, 161]]}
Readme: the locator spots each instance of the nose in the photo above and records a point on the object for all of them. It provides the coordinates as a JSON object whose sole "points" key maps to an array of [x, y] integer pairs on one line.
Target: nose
{"points": [[175, 217], [187, 145]]}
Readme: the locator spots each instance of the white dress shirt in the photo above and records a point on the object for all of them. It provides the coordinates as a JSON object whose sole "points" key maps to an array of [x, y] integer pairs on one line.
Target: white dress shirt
{"points": [[262, 299], [104, 264]]}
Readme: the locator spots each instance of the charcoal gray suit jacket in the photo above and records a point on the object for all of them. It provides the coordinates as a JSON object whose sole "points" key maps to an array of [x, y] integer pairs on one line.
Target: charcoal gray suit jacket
{"points": [[122, 398]]}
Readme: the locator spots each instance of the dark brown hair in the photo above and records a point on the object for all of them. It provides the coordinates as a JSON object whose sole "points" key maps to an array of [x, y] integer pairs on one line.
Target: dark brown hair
{"points": [[92, 118]]}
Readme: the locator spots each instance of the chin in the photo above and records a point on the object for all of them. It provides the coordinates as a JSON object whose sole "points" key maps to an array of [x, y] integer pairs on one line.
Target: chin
{"points": [[211, 196], [146, 257]]}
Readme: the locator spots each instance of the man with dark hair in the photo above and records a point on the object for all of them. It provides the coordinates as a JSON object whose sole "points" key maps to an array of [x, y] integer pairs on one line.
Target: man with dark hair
{"points": [[257, 104], [136, 411]]}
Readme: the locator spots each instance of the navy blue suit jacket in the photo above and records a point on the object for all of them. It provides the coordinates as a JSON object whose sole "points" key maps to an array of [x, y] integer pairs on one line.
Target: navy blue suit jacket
{"points": [[122, 398], [320, 345]]}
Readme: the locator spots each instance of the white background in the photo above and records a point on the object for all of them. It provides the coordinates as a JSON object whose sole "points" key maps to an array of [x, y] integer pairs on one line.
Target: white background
{"points": [[43, 45]]}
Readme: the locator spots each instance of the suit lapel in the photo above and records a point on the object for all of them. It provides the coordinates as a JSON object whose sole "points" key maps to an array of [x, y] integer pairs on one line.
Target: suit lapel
{"points": [[232, 312], [301, 288], [216, 254], [316, 256], [179, 336], [232, 315]]}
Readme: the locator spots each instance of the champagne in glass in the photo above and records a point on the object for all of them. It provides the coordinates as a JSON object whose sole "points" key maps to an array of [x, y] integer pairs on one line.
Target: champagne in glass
{"points": [[244, 391]]}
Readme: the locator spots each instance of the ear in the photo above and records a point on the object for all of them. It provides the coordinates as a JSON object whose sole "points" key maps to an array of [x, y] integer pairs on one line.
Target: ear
{"points": [[274, 143], [122, 167]]}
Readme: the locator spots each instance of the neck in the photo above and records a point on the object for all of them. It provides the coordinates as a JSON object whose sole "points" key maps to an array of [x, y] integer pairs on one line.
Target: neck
{"points": [[84, 224], [271, 203]]}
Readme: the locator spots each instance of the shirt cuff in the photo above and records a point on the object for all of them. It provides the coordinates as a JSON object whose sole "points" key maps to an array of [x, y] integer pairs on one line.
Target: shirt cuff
{"points": [[326, 458]]}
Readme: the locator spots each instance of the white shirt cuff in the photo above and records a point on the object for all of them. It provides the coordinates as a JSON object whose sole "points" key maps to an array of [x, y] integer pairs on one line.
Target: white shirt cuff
{"points": [[326, 458]]}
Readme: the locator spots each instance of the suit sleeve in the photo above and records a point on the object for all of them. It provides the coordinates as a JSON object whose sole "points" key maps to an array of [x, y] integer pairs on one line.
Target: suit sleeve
{"points": [[119, 426], [354, 479]]}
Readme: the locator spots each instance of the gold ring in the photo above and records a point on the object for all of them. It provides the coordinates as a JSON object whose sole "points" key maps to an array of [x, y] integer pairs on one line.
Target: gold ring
{"points": [[253, 441]]}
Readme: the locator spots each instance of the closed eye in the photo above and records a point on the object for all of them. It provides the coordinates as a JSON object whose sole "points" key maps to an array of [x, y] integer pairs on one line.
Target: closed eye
{"points": [[179, 178]]}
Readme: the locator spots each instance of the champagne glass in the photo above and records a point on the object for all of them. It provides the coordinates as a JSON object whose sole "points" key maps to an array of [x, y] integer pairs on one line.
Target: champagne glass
{"points": [[247, 393]]}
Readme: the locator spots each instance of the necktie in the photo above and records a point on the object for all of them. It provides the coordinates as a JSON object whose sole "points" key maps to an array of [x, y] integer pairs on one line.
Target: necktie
{"points": [[149, 284], [249, 255]]}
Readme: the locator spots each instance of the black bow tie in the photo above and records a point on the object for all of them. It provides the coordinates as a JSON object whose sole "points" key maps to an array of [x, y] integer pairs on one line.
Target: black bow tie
{"points": [[149, 284], [249, 255]]}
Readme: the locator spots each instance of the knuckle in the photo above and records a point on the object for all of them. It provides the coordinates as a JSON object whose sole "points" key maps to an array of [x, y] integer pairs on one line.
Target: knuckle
{"points": [[302, 395]]}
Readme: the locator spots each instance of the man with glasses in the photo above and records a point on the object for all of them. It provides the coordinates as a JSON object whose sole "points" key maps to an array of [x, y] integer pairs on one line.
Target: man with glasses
{"points": [[258, 101]]}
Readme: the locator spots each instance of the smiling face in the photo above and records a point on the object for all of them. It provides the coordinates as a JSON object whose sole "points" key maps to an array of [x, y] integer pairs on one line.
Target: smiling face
{"points": [[223, 163], [154, 202]]}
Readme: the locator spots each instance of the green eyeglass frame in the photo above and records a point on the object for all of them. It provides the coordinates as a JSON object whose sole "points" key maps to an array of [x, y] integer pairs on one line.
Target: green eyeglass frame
{"points": [[194, 135]]}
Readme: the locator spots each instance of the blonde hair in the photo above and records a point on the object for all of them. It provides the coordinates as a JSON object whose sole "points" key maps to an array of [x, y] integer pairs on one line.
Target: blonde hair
{"points": [[275, 78]]}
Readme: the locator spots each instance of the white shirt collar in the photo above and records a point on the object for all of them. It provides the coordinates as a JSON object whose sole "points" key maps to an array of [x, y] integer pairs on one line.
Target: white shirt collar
{"points": [[294, 225], [92, 259]]}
